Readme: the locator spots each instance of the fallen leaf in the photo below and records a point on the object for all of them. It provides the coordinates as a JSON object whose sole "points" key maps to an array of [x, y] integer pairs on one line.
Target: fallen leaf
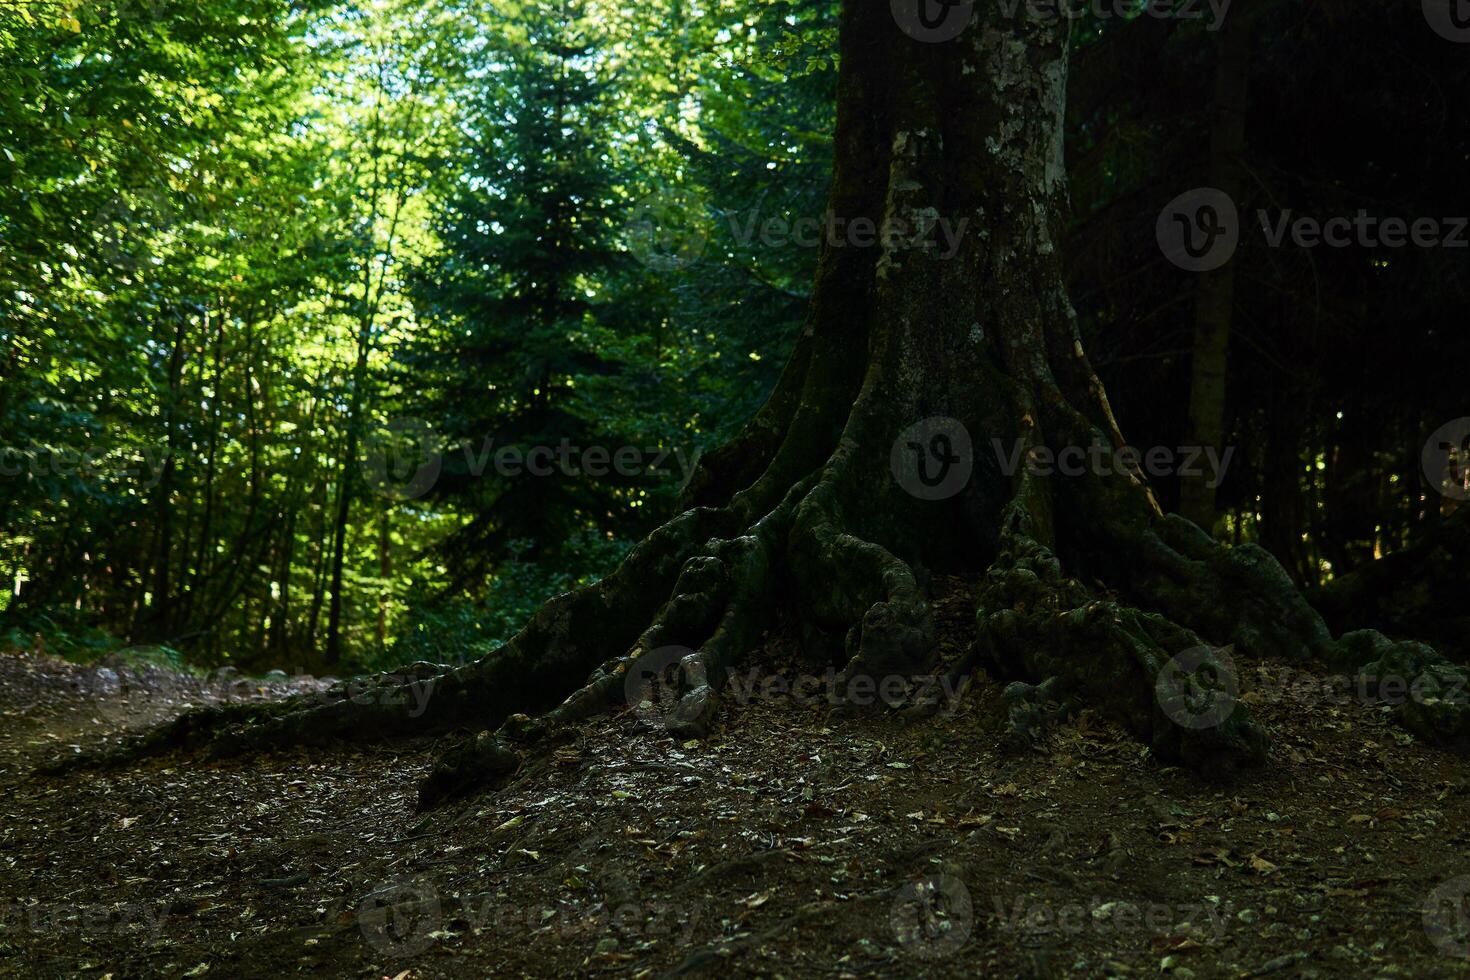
{"points": [[755, 901], [1261, 865]]}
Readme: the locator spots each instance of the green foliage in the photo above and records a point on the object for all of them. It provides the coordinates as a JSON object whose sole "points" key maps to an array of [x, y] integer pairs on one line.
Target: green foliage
{"points": [[459, 628], [512, 314], [59, 637], [238, 237]]}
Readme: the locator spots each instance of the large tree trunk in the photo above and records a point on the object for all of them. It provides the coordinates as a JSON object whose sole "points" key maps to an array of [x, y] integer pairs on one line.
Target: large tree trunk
{"points": [[880, 456]]}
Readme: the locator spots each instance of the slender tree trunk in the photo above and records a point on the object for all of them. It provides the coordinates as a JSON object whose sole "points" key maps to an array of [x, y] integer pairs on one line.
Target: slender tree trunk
{"points": [[203, 564], [280, 639], [371, 304], [346, 484], [323, 552], [1283, 502], [159, 614], [1215, 301], [385, 572]]}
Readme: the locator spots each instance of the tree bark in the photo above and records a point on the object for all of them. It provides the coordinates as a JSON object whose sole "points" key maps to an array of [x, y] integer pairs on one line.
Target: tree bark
{"points": [[159, 608], [346, 484], [1215, 302]]}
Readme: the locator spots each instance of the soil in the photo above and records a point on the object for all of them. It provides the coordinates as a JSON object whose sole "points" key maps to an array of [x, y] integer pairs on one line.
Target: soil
{"points": [[793, 843]]}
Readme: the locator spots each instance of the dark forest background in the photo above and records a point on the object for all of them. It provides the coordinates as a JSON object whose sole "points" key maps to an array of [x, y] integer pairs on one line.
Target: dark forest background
{"points": [[278, 281]]}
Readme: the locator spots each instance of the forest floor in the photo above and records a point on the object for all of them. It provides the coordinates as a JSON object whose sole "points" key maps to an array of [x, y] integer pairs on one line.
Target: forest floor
{"points": [[790, 844]]}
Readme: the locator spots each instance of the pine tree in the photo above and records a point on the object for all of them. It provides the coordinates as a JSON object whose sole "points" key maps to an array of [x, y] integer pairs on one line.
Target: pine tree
{"points": [[513, 312]]}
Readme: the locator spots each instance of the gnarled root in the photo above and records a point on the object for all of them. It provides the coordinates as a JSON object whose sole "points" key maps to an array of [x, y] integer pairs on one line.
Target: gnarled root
{"points": [[721, 596], [1243, 596], [1032, 710], [1430, 696], [1033, 622]]}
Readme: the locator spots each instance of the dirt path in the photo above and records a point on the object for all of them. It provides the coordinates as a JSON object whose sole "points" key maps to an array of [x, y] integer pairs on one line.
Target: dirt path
{"points": [[791, 844]]}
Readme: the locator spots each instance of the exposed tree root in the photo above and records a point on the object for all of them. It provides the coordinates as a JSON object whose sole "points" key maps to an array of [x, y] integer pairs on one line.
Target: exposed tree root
{"points": [[1033, 710], [1035, 623], [721, 598], [851, 585], [1430, 695]]}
